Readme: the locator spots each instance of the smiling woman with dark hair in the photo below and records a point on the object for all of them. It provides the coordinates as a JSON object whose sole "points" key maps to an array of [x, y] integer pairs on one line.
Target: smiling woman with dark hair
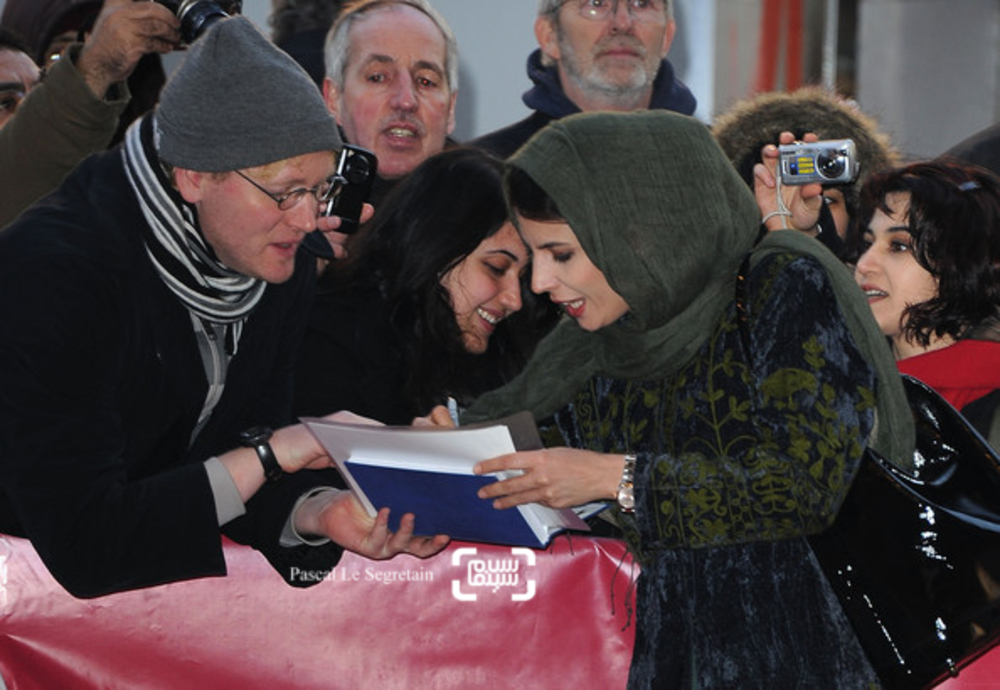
{"points": [[930, 266], [417, 312]]}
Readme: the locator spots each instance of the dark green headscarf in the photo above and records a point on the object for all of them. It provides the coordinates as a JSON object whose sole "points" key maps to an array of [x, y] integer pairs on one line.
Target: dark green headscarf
{"points": [[658, 207]]}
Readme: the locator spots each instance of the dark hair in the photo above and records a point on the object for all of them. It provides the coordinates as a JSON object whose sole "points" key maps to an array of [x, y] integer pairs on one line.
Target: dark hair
{"points": [[434, 218], [11, 40], [79, 19], [290, 17], [954, 221], [337, 47], [538, 315], [38, 22], [528, 199], [145, 84]]}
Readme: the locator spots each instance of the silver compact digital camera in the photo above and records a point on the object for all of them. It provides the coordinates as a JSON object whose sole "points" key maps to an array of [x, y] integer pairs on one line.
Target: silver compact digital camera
{"points": [[834, 161]]}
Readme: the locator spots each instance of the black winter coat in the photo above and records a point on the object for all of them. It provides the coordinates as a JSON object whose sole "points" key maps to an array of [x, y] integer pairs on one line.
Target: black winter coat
{"points": [[101, 384]]}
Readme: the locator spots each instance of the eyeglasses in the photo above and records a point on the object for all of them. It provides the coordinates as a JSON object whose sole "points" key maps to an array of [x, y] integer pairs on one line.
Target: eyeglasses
{"points": [[322, 192], [647, 11]]}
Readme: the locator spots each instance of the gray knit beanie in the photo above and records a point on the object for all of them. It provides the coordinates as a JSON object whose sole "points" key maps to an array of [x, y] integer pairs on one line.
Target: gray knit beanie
{"points": [[237, 101]]}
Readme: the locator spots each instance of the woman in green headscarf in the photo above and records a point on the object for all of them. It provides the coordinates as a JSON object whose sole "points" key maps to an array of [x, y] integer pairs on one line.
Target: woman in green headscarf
{"points": [[740, 440]]}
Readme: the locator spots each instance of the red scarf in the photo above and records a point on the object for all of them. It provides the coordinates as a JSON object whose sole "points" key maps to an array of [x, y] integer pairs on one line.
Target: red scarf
{"points": [[961, 373]]}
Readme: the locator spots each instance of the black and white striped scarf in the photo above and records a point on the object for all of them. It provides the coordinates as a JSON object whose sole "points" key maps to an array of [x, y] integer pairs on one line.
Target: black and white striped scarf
{"points": [[185, 261]]}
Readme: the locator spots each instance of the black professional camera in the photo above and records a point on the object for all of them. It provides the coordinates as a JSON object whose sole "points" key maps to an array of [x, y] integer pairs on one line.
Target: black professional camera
{"points": [[198, 15], [827, 162]]}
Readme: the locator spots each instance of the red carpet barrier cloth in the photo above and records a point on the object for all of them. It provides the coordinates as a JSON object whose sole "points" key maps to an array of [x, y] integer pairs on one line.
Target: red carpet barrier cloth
{"points": [[474, 616]]}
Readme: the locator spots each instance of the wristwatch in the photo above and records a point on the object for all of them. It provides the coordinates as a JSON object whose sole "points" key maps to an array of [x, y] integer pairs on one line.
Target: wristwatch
{"points": [[626, 494], [257, 437]]}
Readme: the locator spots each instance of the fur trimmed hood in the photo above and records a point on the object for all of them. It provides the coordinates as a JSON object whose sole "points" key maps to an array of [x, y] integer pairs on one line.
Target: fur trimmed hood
{"points": [[744, 129]]}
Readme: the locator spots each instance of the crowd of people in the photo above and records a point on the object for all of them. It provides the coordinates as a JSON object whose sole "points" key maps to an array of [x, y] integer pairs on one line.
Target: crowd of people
{"points": [[708, 351]]}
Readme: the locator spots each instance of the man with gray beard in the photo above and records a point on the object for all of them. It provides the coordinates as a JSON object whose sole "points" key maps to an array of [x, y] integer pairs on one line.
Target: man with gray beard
{"points": [[596, 55], [592, 55]]}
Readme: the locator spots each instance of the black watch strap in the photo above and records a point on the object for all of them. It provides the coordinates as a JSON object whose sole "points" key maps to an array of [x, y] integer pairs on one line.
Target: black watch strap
{"points": [[258, 438]]}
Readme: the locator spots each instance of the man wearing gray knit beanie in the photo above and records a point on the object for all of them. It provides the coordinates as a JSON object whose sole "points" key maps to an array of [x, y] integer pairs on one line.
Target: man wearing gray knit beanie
{"points": [[159, 296]]}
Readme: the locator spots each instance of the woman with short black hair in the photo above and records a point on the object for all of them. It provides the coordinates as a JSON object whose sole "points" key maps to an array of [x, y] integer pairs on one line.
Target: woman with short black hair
{"points": [[929, 264]]}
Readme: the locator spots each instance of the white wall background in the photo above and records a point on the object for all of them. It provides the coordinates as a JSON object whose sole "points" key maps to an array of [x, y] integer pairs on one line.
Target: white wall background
{"points": [[930, 69]]}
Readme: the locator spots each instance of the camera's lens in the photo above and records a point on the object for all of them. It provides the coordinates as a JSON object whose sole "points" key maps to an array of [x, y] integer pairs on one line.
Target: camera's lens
{"points": [[831, 166], [358, 170], [198, 15]]}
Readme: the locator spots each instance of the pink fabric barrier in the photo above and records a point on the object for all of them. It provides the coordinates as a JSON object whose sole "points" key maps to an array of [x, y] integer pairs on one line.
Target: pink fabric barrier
{"points": [[474, 616], [981, 674]]}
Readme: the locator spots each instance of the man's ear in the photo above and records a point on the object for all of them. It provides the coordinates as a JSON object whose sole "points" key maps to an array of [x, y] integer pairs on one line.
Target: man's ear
{"points": [[451, 112], [189, 184], [668, 37], [331, 95], [546, 35]]}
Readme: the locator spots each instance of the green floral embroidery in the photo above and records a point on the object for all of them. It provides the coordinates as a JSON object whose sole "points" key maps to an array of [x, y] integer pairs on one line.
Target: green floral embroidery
{"points": [[733, 460]]}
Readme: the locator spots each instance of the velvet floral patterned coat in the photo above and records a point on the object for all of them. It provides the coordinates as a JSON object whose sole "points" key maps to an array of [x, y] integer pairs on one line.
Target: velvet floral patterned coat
{"points": [[738, 459], [747, 431]]}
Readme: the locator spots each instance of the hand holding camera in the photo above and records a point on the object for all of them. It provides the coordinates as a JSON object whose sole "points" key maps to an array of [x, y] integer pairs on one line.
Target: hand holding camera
{"points": [[123, 32], [787, 206], [356, 170], [328, 243], [346, 209], [197, 15]]}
